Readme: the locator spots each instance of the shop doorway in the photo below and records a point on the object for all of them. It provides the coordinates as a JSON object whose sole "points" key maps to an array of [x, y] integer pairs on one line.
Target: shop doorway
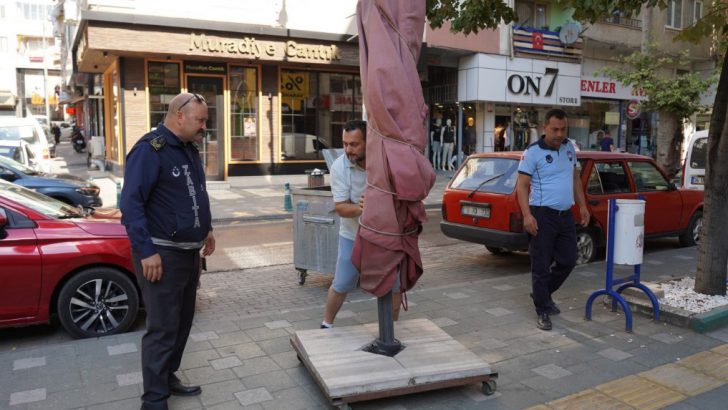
{"points": [[501, 138], [212, 147]]}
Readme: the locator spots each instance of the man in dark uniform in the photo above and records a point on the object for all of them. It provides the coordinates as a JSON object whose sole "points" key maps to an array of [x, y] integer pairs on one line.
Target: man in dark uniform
{"points": [[166, 212], [548, 168]]}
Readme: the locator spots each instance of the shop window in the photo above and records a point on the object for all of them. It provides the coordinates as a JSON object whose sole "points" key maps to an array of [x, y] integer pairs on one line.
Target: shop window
{"points": [[244, 137], [163, 80], [113, 130], [532, 14], [314, 108]]}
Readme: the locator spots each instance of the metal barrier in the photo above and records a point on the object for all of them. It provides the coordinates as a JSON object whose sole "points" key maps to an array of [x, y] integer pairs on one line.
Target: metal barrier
{"points": [[630, 281]]}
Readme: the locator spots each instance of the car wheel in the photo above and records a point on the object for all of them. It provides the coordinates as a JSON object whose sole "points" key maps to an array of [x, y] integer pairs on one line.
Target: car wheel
{"points": [[586, 248], [691, 236], [497, 251], [98, 302]]}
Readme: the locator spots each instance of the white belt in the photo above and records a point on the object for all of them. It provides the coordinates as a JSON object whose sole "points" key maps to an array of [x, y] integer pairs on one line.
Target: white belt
{"points": [[178, 245]]}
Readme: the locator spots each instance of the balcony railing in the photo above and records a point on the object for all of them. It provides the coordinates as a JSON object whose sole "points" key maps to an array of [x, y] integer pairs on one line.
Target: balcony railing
{"points": [[545, 43], [622, 21]]}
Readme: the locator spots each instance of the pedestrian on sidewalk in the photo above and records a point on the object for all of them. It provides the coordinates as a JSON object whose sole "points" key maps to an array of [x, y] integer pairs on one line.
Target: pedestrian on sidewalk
{"points": [[166, 212], [348, 180], [548, 169], [56, 131]]}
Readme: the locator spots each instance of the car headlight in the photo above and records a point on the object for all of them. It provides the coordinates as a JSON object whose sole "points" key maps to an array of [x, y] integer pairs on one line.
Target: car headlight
{"points": [[88, 190]]}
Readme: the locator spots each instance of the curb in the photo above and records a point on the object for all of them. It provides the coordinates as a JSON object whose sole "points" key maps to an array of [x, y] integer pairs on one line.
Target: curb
{"points": [[709, 321], [698, 322]]}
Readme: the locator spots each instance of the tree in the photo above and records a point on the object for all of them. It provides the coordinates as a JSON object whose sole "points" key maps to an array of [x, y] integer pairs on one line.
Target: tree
{"points": [[675, 99], [473, 15]]}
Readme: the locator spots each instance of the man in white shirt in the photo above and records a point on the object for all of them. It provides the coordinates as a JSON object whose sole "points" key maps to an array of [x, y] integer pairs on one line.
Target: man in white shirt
{"points": [[348, 181]]}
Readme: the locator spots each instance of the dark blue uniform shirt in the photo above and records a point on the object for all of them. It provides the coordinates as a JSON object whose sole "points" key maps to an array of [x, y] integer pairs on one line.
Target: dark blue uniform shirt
{"points": [[164, 199]]}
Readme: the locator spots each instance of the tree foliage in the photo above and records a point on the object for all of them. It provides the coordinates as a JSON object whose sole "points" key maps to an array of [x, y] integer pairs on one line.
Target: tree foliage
{"points": [[469, 16]]}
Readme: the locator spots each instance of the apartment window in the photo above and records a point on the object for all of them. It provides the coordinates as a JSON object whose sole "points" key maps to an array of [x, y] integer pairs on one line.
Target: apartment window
{"points": [[3, 44], [34, 11], [2, 11], [532, 14], [694, 12], [674, 14]]}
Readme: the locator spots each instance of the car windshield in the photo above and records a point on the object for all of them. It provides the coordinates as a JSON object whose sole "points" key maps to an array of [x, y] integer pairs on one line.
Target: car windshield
{"points": [[38, 202], [9, 163], [502, 173], [18, 132]]}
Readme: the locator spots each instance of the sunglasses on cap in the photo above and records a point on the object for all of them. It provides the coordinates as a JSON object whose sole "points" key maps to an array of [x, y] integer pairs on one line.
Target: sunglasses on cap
{"points": [[198, 97]]}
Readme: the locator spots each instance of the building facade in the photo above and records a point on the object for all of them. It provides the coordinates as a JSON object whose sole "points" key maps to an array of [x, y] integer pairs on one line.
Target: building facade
{"points": [[30, 73], [280, 80]]}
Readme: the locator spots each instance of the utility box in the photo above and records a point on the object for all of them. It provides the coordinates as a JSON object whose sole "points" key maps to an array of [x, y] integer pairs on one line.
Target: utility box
{"points": [[316, 178], [315, 225], [629, 231], [96, 147]]}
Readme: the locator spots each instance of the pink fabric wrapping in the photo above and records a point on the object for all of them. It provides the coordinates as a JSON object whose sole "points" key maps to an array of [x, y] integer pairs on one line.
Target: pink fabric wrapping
{"points": [[399, 177]]}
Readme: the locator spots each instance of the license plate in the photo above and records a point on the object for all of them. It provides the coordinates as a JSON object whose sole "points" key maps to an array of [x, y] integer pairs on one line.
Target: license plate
{"points": [[476, 211]]}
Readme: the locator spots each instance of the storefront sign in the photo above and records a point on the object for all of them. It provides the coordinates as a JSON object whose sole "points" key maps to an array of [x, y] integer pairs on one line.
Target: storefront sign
{"points": [[294, 84], [602, 87], [251, 48], [197, 67], [633, 109], [491, 78], [527, 84]]}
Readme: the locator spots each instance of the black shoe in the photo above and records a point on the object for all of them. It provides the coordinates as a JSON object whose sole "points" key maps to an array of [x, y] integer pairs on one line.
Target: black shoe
{"points": [[553, 309], [543, 322], [176, 388]]}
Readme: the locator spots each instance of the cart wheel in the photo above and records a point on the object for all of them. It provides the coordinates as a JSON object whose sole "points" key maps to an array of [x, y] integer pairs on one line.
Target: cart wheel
{"points": [[301, 276], [298, 356], [489, 387]]}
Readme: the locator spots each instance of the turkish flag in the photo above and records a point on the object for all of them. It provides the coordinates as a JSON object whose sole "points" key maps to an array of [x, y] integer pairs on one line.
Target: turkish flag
{"points": [[537, 41]]}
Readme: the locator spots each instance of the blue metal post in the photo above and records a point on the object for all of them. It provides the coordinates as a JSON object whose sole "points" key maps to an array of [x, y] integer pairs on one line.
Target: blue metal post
{"points": [[631, 281]]}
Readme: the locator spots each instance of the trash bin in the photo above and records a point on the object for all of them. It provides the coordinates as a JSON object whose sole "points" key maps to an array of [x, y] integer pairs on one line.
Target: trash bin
{"points": [[315, 225], [629, 231]]}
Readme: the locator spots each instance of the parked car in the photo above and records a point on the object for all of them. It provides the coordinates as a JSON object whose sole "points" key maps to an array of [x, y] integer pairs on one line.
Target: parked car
{"points": [[693, 171], [480, 205], [14, 131], [58, 261], [66, 188]]}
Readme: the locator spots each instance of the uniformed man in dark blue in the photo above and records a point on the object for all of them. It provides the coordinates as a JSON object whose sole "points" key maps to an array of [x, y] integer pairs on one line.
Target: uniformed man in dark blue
{"points": [[166, 212], [548, 168]]}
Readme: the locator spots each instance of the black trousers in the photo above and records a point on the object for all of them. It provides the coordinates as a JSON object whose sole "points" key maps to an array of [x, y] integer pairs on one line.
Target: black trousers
{"points": [[170, 307], [553, 253]]}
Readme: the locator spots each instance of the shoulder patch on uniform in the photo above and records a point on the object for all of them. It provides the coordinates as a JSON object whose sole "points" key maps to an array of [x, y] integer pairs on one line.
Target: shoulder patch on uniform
{"points": [[158, 143]]}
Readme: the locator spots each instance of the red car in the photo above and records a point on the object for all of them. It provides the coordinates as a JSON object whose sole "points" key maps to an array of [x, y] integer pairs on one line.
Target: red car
{"points": [[56, 260], [479, 205]]}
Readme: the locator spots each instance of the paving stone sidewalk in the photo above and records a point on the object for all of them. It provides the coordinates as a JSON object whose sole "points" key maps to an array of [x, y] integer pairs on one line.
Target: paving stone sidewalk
{"points": [[239, 348]]}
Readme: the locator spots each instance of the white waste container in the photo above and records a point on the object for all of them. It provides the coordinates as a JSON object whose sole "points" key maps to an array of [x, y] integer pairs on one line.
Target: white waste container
{"points": [[629, 231]]}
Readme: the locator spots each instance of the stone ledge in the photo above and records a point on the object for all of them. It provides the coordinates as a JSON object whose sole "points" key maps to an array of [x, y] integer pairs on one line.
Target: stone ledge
{"points": [[698, 322]]}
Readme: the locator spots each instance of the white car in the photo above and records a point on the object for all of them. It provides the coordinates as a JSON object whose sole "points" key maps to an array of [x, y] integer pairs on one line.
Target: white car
{"points": [[26, 136], [695, 157]]}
